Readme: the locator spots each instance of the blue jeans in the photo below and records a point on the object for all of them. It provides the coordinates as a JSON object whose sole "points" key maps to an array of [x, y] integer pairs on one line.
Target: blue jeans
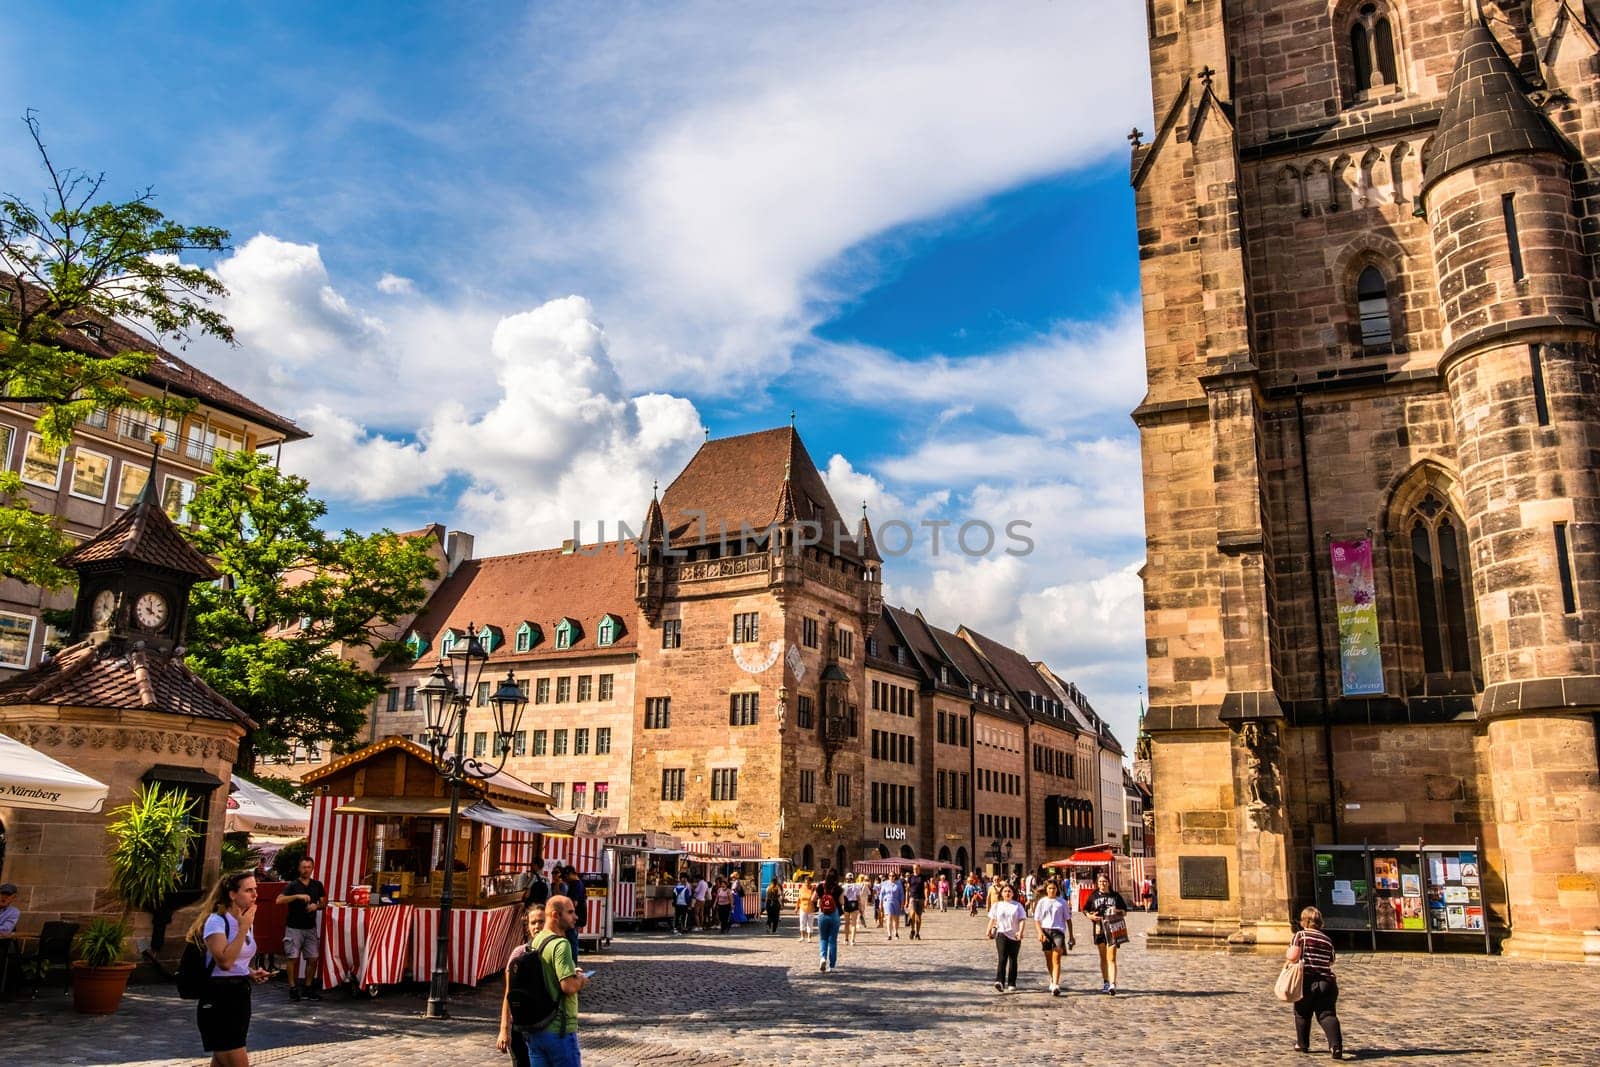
{"points": [[546, 1048], [828, 937]]}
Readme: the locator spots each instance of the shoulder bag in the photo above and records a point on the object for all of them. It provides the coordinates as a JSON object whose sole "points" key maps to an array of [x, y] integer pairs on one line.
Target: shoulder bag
{"points": [[1290, 986]]}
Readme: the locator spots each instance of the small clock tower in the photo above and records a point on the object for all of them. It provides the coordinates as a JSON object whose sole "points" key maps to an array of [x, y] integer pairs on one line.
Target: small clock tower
{"points": [[134, 578]]}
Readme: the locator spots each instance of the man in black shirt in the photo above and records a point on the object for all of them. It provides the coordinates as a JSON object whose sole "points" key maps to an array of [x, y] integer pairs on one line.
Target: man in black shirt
{"points": [[305, 896], [538, 891]]}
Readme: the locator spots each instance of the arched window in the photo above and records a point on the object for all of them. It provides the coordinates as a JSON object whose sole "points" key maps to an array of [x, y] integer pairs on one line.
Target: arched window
{"points": [[1361, 55], [1372, 307], [1372, 49], [808, 858], [1440, 575], [1383, 51]]}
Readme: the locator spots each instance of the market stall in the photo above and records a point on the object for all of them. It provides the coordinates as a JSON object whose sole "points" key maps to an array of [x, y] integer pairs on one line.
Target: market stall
{"points": [[646, 868], [723, 859], [1085, 864], [378, 828], [586, 853], [895, 866]]}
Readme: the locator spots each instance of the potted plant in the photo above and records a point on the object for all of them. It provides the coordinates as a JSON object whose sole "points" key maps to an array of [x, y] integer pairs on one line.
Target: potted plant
{"points": [[99, 974], [149, 840]]}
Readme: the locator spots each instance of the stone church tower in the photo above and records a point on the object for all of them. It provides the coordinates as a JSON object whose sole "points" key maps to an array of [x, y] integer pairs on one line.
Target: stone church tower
{"points": [[1369, 234]]}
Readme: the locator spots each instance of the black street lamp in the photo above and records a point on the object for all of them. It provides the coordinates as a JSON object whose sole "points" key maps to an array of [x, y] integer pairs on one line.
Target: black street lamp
{"points": [[446, 706], [1000, 851]]}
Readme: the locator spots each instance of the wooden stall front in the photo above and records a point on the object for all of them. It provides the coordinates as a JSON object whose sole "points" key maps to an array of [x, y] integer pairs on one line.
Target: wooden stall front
{"points": [[378, 832]]}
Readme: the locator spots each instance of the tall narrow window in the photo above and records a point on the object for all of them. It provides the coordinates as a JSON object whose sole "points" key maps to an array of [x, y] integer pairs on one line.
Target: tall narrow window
{"points": [[1569, 594], [1440, 575], [1508, 208], [1541, 403], [1372, 307], [1361, 54], [1383, 51]]}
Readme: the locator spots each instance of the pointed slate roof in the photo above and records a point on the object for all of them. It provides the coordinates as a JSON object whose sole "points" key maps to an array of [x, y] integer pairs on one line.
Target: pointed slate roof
{"points": [[736, 482], [654, 525], [142, 534], [113, 675], [1487, 112], [864, 538]]}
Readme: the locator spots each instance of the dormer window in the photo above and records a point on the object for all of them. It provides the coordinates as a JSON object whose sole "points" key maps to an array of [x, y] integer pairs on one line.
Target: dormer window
{"points": [[490, 638], [90, 330], [528, 635], [417, 645], [608, 631], [447, 642], [567, 632]]}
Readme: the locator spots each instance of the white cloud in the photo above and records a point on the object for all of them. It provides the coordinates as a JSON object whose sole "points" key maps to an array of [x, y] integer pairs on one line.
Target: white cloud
{"points": [[395, 285], [344, 460]]}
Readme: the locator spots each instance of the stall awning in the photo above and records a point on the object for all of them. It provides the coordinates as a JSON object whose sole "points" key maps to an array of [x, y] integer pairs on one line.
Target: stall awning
{"points": [[895, 866], [395, 806], [256, 810], [489, 815], [1085, 858], [30, 779]]}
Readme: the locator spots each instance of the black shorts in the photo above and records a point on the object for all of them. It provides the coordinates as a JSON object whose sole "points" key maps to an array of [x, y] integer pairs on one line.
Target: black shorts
{"points": [[224, 1014], [1055, 941], [851, 905], [916, 905]]}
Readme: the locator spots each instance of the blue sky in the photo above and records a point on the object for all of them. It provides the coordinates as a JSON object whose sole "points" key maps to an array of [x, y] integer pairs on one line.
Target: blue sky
{"points": [[507, 260]]}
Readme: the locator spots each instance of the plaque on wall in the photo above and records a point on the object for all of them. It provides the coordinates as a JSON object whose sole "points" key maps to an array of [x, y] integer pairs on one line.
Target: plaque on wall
{"points": [[1203, 877]]}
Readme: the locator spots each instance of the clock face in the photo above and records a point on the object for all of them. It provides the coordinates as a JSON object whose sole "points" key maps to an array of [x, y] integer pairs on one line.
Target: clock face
{"points": [[105, 602], [150, 611]]}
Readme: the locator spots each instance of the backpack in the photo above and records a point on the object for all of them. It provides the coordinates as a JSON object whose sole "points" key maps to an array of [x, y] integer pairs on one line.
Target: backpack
{"points": [[827, 904], [194, 967], [533, 1005]]}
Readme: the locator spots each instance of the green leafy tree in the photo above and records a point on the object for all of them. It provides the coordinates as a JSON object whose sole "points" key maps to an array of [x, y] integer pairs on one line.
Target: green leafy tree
{"points": [[270, 636], [77, 257]]}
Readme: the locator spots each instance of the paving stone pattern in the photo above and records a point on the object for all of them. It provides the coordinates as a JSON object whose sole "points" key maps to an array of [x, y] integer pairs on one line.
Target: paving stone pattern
{"points": [[750, 998]]}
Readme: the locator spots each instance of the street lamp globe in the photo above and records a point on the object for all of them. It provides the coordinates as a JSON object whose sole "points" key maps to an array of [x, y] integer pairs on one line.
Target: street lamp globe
{"points": [[508, 701], [438, 702]]}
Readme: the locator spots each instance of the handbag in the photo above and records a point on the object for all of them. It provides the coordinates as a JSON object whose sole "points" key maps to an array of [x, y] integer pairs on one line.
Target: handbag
{"points": [[1116, 930], [1290, 986]]}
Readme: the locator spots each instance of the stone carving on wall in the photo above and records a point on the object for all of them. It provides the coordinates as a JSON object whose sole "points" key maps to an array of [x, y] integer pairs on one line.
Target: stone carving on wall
{"points": [[168, 742], [1260, 742]]}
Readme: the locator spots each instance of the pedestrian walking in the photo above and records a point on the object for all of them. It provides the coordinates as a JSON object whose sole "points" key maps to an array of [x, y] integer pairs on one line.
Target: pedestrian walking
{"points": [[1313, 949], [578, 893], [538, 890], [774, 905], [944, 892], [724, 905], [854, 892], [1054, 920], [226, 928], [917, 897], [891, 894], [808, 909], [877, 899], [682, 902], [702, 902], [1005, 927], [736, 893], [974, 894], [511, 1038], [830, 904], [1106, 909], [305, 897], [552, 984]]}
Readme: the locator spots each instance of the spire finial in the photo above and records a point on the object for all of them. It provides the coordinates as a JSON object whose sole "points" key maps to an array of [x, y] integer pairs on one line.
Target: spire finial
{"points": [[791, 418], [863, 509], [708, 432], [655, 489], [1136, 137], [148, 493]]}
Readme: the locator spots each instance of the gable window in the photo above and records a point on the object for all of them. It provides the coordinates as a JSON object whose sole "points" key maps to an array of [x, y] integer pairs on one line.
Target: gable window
{"points": [[1439, 573], [566, 633], [1372, 309], [608, 631], [528, 635]]}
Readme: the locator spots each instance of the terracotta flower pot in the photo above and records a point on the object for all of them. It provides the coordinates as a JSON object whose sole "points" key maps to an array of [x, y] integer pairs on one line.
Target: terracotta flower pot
{"points": [[98, 990]]}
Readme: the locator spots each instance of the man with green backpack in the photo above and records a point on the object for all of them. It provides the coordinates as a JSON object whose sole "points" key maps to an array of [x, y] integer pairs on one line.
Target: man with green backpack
{"points": [[542, 985]]}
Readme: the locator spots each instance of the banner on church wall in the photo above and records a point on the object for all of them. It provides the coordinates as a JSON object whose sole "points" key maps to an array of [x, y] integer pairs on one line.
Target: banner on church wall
{"points": [[1360, 658]]}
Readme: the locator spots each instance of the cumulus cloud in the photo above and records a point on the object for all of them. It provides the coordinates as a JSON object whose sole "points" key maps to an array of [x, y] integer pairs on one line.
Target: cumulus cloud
{"points": [[395, 285]]}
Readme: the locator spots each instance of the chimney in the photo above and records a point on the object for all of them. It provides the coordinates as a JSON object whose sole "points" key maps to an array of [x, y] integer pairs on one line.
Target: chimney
{"points": [[457, 550]]}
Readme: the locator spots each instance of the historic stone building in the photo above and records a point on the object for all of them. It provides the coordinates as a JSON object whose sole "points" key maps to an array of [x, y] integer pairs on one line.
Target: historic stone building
{"points": [[1368, 243]]}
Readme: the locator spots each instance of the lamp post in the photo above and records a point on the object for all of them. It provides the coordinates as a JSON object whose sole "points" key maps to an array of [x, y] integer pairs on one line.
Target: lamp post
{"points": [[1000, 851], [446, 704]]}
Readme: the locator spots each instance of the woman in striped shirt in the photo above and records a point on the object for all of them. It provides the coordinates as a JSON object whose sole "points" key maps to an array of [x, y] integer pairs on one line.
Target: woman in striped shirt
{"points": [[1314, 949]]}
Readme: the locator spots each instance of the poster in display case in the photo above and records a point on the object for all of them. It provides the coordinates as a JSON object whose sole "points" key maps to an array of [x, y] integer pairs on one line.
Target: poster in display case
{"points": [[1418, 889]]}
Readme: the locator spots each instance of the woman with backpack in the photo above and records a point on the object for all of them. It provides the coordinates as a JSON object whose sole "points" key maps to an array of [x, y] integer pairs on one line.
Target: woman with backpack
{"points": [[511, 1039], [830, 905], [225, 930]]}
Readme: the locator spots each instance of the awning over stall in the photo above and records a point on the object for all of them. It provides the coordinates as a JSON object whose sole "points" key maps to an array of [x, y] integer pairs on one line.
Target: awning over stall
{"points": [[30, 779], [486, 813], [260, 811]]}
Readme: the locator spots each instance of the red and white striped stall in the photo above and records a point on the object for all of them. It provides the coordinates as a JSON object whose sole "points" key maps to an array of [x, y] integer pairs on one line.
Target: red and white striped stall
{"points": [[588, 855]]}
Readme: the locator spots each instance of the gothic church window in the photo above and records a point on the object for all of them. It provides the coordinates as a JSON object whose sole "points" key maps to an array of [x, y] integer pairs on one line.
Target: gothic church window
{"points": [[1440, 576], [1372, 49], [1372, 308]]}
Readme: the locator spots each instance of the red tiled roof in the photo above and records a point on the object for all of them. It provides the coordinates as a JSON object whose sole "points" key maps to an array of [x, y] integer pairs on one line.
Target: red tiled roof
{"points": [[143, 534], [1011, 666], [183, 377], [736, 481], [111, 675], [540, 587]]}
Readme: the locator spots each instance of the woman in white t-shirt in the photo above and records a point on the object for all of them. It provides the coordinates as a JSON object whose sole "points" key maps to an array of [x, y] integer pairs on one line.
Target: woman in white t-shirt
{"points": [[854, 892], [1054, 919], [225, 928], [1005, 926]]}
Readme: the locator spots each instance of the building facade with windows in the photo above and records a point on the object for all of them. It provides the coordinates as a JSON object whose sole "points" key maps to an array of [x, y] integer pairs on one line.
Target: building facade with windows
{"points": [[87, 485], [1370, 268]]}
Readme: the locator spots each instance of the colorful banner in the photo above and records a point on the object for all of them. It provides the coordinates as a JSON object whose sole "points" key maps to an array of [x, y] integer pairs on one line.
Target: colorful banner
{"points": [[1360, 658]]}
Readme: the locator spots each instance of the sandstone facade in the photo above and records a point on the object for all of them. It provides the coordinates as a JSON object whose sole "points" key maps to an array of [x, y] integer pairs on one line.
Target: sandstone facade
{"points": [[1368, 255]]}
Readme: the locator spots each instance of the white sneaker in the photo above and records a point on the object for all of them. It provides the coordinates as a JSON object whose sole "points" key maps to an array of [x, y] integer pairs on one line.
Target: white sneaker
{"points": [[823, 966], [1055, 990], [1011, 989]]}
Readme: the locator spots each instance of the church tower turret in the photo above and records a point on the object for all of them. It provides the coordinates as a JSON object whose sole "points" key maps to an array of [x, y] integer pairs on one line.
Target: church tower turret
{"points": [[1520, 366]]}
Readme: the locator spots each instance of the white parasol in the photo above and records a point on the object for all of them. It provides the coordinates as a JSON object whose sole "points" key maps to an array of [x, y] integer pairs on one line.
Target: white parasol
{"points": [[261, 811], [30, 779]]}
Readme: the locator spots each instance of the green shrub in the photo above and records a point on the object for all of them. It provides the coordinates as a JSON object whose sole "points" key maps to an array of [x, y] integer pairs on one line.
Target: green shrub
{"points": [[103, 942], [150, 839]]}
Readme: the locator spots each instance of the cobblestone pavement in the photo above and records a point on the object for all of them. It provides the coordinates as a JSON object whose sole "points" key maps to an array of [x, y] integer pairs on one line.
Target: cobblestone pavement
{"points": [[750, 998]]}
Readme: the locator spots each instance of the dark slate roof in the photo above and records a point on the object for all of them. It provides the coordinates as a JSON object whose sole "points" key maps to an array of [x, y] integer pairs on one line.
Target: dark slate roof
{"points": [[1487, 112], [143, 534], [114, 675], [869, 545]]}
